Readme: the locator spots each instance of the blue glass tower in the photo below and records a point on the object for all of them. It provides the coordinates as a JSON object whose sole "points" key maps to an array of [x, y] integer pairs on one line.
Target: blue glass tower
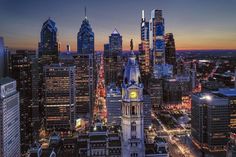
{"points": [[48, 39], [157, 40], [85, 38], [144, 56], [115, 41]]}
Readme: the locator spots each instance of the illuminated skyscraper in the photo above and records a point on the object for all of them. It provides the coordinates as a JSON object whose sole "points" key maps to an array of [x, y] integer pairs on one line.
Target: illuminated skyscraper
{"points": [[113, 61], [157, 41], [9, 119], [48, 52], [85, 88], [210, 121], [85, 38], [113, 104], [85, 70], [115, 42], [106, 50], [170, 52], [132, 111], [48, 45], [59, 96], [21, 71], [144, 56]]}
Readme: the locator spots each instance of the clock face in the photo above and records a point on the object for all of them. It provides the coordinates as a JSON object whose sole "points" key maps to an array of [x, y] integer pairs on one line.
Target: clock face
{"points": [[133, 94]]}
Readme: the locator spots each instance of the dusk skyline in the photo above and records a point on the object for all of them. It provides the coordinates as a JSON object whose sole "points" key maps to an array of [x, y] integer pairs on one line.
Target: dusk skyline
{"points": [[195, 24]]}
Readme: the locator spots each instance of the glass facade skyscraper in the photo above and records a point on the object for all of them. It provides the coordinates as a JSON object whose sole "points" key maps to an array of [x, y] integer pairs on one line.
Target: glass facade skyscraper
{"points": [[113, 61], [85, 70], [115, 42], [144, 50], [59, 96], [9, 118], [48, 39], [85, 38], [157, 32], [170, 56], [21, 70]]}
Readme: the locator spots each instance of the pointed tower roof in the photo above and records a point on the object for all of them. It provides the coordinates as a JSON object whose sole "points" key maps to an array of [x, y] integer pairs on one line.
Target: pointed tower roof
{"points": [[115, 31], [50, 24], [132, 72]]}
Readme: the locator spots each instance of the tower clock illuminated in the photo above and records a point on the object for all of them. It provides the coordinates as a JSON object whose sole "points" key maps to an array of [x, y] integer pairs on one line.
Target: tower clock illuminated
{"points": [[132, 110], [133, 94]]}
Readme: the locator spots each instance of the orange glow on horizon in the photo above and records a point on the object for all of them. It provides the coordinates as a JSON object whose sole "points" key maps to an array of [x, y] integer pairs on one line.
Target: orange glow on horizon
{"points": [[181, 44]]}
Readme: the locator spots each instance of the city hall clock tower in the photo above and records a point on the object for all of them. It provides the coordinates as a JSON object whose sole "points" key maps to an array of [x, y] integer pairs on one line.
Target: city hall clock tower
{"points": [[132, 111]]}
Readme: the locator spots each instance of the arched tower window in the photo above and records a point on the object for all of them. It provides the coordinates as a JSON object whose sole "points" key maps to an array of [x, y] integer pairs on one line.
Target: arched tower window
{"points": [[133, 130], [133, 112]]}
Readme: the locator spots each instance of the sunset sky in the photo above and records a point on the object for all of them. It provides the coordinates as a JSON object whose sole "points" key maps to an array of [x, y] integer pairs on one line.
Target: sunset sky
{"points": [[196, 24]]}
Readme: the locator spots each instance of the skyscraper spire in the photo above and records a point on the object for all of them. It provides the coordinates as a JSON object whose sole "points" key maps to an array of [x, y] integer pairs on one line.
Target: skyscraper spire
{"points": [[143, 16], [85, 12]]}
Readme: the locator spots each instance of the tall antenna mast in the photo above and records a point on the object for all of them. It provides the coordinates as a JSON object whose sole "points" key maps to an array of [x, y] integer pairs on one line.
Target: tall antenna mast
{"points": [[85, 12]]}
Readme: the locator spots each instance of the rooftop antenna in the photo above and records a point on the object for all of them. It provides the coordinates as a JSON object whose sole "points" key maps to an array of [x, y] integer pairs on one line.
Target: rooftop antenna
{"points": [[85, 12], [143, 15]]}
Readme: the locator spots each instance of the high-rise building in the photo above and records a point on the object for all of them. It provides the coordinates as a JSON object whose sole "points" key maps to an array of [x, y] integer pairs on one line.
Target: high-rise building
{"points": [[85, 70], [107, 60], [113, 104], [48, 45], [132, 111], [210, 121], [4, 59], [85, 85], [106, 51], [170, 52], [21, 71], [48, 51], [172, 94], [147, 107], [155, 88], [157, 40], [1, 57], [113, 61], [37, 93], [85, 38], [59, 97], [230, 95], [85, 93], [115, 42], [144, 51], [10, 119]]}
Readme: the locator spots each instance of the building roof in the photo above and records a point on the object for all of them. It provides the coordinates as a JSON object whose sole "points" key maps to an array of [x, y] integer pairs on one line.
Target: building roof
{"points": [[50, 24], [132, 72], [115, 31], [227, 91], [98, 138], [6, 80]]}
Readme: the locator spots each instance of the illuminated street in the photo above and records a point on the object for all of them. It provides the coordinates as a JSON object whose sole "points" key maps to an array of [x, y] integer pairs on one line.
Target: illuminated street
{"points": [[100, 110], [176, 147]]}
